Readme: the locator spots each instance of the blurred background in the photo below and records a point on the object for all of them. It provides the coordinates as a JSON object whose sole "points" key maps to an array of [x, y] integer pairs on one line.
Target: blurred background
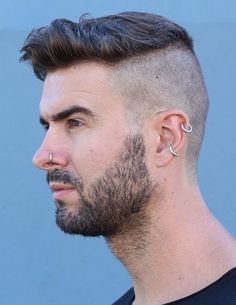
{"points": [[39, 265]]}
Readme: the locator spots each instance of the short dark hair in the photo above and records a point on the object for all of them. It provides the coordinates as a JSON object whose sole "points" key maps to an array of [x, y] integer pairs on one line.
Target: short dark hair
{"points": [[108, 40]]}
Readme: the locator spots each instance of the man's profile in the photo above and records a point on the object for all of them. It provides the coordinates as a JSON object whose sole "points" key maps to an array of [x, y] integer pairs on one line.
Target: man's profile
{"points": [[124, 106]]}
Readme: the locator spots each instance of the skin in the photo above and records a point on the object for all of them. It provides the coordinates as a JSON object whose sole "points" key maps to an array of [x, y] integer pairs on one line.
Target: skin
{"points": [[180, 234], [60, 92]]}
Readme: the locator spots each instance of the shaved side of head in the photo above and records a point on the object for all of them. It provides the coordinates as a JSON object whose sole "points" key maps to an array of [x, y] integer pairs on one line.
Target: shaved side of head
{"points": [[161, 80]]}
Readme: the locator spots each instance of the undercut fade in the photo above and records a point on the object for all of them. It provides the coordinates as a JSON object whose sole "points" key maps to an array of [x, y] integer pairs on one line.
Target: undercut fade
{"points": [[106, 39], [152, 60]]}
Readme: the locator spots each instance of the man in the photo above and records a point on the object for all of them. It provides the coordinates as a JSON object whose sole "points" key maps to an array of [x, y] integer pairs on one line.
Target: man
{"points": [[124, 106]]}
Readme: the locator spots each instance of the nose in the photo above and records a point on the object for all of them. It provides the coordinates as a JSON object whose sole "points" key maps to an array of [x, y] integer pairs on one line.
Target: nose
{"points": [[50, 155]]}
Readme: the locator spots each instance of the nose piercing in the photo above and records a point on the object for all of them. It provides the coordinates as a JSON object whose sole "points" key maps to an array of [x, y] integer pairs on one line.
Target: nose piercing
{"points": [[50, 157]]}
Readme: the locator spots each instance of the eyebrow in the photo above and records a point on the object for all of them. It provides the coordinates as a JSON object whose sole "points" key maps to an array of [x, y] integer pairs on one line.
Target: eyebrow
{"points": [[67, 113]]}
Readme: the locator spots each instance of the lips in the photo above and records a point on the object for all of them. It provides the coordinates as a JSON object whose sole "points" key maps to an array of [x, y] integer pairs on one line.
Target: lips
{"points": [[60, 190]]}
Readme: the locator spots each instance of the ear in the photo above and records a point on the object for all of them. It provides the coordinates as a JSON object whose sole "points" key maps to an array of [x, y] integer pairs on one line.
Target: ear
{"points": [[170, 130]]}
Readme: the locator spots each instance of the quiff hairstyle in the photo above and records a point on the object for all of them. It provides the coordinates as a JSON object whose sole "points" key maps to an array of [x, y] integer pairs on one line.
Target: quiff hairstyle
{"points": [[152, 61]]}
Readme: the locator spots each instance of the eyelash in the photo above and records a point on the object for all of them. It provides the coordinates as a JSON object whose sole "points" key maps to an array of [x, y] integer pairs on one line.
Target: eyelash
{"points": [[72, 123], [45, 127]]}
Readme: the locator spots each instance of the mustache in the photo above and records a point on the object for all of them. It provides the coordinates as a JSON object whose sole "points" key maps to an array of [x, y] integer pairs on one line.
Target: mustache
{"points": [[62, 176]]}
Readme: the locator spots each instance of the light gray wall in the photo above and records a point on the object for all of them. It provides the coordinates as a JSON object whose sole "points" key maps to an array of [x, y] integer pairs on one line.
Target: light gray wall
{"points": [[39, 265]]}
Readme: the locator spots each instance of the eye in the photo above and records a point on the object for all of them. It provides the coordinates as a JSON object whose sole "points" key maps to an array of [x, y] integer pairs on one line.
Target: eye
{"points": [[72, 123]]}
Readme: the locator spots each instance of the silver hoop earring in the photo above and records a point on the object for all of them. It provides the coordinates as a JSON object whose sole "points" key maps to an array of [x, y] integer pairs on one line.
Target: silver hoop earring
{"points": [[175, 154], [50, 157], [189, 130]]}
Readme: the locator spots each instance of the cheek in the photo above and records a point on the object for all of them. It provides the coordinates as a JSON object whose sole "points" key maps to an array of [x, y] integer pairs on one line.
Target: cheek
{"points": [[91, 158]]}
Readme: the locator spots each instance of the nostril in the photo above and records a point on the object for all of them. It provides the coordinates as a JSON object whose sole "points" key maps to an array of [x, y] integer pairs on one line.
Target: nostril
{"points": [[45, 159], [42, 159]]}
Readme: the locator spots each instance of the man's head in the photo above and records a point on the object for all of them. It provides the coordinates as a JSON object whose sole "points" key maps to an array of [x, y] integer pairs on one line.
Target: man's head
{"points": [[111, 83]]}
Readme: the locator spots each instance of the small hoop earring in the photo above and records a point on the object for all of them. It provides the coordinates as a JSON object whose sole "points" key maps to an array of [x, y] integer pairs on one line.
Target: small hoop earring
{"points": [[189, 130], [175, 154]]}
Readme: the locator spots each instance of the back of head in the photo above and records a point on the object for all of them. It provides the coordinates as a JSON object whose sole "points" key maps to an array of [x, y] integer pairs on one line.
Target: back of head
{"points": [[152, 59]]}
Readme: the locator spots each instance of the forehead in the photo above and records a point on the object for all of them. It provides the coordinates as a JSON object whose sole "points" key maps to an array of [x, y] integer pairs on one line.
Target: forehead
{"points": [[86, 85]]}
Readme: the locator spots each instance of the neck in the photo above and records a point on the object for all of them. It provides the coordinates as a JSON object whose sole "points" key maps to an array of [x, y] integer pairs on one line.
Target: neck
{"points": [[176, 237]]}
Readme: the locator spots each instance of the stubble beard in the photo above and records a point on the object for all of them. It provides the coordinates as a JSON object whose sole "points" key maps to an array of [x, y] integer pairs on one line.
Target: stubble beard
{"points": [[115, 202]]}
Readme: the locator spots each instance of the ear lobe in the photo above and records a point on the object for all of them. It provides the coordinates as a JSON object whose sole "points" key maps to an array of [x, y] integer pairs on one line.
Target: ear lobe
{"points": [[172, 136]]}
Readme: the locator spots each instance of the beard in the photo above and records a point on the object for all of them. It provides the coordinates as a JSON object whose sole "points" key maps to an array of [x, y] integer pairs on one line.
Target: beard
{"points": [[115, 201]]}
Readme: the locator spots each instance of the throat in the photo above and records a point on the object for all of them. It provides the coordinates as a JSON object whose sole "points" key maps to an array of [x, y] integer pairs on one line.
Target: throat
{"points": [[130, 243]]}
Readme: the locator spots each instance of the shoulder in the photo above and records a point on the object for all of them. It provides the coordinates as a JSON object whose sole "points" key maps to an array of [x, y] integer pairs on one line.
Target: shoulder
{"points": [[220, 292]]}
